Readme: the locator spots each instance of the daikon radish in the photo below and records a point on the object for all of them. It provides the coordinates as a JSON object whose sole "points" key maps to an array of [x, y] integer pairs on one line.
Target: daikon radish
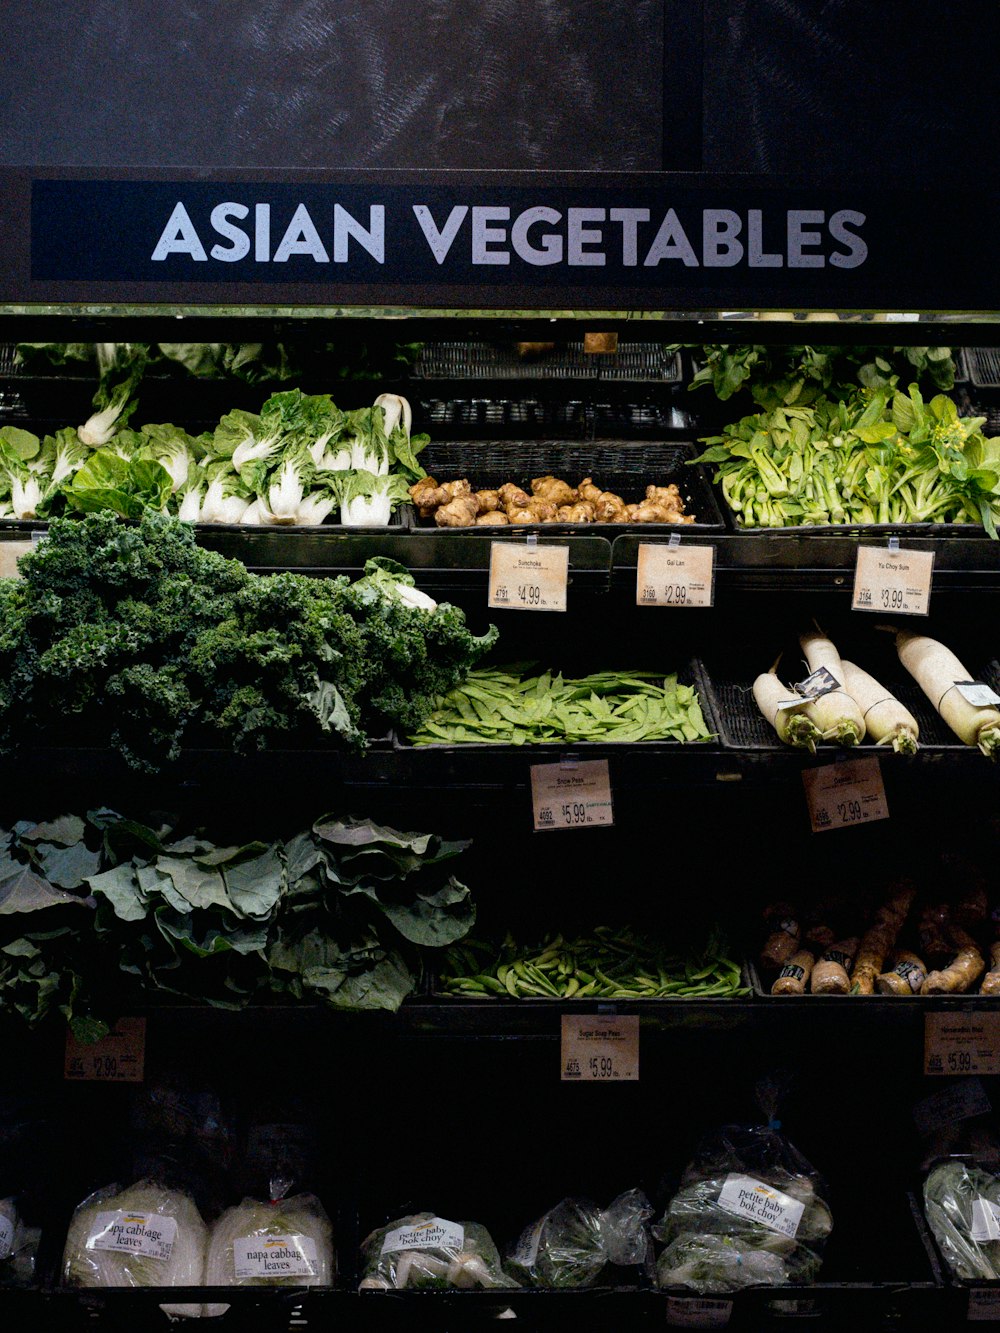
{"points": [[788, 713], [887, 721], [937, 670], [836, 714]]}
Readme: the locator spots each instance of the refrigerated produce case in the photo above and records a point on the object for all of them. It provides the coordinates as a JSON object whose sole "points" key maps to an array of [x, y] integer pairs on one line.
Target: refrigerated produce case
{"points": [[458, 1107]]}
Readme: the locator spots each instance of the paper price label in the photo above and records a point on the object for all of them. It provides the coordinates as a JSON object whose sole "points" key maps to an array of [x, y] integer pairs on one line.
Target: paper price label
{"points": [[571, 796], [117, 1058], [984, 1303], [599, 1048], [897, 581], [527, 578], [846, 794], [698, 1312], [817, 683], [961, 1043], [961, 1101], [978, 694], [675, 575], [10, 554]]}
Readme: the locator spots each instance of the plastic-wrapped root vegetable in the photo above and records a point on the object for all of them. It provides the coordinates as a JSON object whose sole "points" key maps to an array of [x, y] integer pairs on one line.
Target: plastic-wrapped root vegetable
{"points": [[145, 1235], [831, 975], [836, 714], [991, 982], [938, 671], [788, 713], [888, 722], [964, 969]]}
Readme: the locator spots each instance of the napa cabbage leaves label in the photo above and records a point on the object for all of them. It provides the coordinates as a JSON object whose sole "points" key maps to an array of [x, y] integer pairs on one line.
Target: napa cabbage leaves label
{"points": [[124, 1232]]}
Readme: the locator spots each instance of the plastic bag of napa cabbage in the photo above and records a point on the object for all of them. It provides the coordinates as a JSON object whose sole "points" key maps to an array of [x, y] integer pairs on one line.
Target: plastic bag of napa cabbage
{"points": [[145, 1235]]}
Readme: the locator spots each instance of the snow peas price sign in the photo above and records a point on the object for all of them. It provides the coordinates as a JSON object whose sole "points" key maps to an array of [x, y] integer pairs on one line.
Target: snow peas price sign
{"points": [[117, 1058], [571, 794], [527, 578], [957, 1044], [668, 574], [599, 1048], [845, 794], [887, 579]]}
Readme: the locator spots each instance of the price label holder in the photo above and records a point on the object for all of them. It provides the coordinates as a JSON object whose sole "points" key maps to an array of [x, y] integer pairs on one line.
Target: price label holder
{"points": [[527, 577], [698, 1312], [958, 1101], [599, 1048], [119, 1057], [887, 579], [571, 794], [961, 1043], [984, 1304], [669, 574], [845, 794]]}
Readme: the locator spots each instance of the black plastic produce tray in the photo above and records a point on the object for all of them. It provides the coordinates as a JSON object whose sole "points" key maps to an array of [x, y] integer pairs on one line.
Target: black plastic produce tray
{"points": [[729, 677], [634, 362], [625, 468], [981, 367]]}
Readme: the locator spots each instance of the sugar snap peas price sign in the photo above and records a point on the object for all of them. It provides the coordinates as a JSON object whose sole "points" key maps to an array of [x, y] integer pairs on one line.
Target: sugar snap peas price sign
{"points": [[668, 574], [846, 794], [961, 1043], [887, 579], [571, 794], [527, 577], [599, 1048]]}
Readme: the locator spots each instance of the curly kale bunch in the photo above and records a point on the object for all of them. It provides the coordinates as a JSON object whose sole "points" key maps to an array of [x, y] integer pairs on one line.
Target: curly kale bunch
{"points": [[133, 635]]}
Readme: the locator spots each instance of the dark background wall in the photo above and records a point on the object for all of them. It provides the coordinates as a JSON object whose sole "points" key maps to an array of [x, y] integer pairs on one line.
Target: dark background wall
{"points": [[906, 89]]}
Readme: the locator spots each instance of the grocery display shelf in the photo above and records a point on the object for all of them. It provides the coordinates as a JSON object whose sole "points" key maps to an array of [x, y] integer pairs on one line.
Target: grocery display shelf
{"points": [[632, 362]]}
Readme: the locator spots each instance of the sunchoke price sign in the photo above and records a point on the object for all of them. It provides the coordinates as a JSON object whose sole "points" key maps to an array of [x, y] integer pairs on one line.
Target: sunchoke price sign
{"points": [[528, 578], [117, 1058], [600, 1048], [846, 794], [675, 575], [966, 1043], [892, 581], [571, 795], [10, 553]]}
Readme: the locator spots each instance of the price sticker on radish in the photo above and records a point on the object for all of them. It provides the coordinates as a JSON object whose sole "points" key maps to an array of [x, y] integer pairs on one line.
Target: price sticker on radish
{"points": [[893, 581], [842, 795], [668, 575], [527, 577]]}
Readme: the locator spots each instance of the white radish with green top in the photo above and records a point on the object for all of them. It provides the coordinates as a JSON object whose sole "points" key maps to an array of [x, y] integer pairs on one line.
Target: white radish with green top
{"points": [[888, 722], [836, 713], [788, 713], [938, 671]]}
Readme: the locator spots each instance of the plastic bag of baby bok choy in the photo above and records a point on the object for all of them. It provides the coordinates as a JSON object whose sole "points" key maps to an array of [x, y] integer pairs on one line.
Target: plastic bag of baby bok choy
{"points": [[749, 1211], [18, 1246], [962, 1206], [425, 1251], [145, 1235], [574, 1243], [286, 1240]]}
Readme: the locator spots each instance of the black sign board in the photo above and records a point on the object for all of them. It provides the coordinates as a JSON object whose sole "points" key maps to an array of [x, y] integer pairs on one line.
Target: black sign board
{"points": [[518, 240]]}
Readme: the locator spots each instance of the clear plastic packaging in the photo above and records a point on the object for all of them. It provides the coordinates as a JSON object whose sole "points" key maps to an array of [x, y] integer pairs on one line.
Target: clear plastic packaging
{"points": [[146, 1235], [18, 1247], [962, 1206], [573, 1244], [423, 1250], [280, 1241], [749, 1211]]}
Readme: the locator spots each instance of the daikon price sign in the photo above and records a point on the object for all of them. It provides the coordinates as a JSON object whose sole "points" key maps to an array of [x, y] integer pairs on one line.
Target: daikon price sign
{"points": [[896, 581], [527, 578], [842, 795]]}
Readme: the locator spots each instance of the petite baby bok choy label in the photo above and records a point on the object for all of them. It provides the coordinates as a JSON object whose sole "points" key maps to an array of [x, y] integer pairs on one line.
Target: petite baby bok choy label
{"points": [[436, 1233], [744, 1196]]}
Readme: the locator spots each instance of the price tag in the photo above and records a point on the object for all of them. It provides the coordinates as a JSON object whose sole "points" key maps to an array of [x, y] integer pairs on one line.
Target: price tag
{"points": [[10, 553], [984, 1303], [957, 1043], [841, 795], [675, 575], [528, 578], [576, 795], [600, 1048], [976, 693], [816, 684], [897, 581], [117, 1058], [960, 1101], [698, 1312]]}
